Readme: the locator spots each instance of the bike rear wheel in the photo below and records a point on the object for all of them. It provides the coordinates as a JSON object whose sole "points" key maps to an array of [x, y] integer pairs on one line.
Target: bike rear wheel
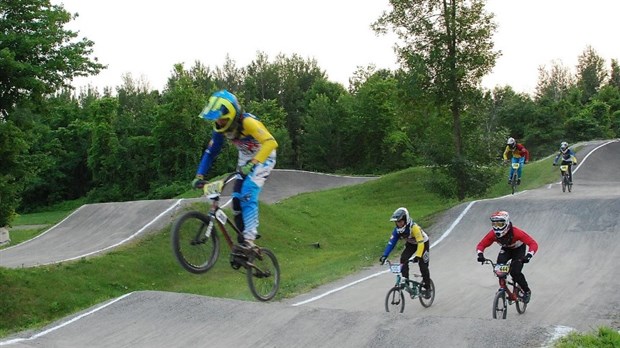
{"points": [[500, 309], [263, 273], [521, 306], [514, 182], [427, 299], [193, 249], [395, 300]]}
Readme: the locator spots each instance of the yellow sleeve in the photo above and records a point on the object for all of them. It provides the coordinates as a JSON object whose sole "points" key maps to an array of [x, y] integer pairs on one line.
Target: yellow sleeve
{"points": [[506, 152], [416, 232], [258, 131]]}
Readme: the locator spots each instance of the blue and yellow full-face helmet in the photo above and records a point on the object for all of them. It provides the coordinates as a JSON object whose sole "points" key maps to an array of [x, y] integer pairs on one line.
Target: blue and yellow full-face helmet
{"points": [[222, 105]]}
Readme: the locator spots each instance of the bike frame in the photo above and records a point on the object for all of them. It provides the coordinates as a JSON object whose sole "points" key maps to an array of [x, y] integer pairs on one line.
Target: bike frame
{"points": [[564, 168], [504, 283], [213, 191], [515, 176], [412, 287]]}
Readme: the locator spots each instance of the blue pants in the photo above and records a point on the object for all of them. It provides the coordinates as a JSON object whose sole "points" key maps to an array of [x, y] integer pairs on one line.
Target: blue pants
{"points": [[245, 199], [521, 161]]}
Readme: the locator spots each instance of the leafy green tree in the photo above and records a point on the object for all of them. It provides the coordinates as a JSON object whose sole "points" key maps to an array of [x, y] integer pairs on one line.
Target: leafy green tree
{"points": [[37, 54], [591, 73], [105, 159], [554, 83], [452, 41], [614, 75], [13, 147], [262, 80], [180, 135], [323, 131], [297, 76]]}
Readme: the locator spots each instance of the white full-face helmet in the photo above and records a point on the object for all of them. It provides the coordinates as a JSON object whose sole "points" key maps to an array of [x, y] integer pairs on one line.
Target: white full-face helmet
{"points": [[399, 215], [500, 222]]}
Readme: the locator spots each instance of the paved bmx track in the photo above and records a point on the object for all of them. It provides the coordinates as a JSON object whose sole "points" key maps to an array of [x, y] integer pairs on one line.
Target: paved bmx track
{"points": [[574, 280]]}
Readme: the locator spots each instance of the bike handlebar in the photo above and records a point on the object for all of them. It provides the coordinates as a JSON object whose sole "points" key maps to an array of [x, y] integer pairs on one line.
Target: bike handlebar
{"points": [[395, 263]]}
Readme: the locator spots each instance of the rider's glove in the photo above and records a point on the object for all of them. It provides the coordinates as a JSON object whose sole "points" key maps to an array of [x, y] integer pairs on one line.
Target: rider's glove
{"points": [[247, 168], [555, 164], [416, 259], [481, 258], [382, 259], [527, 258], [198, 182]]}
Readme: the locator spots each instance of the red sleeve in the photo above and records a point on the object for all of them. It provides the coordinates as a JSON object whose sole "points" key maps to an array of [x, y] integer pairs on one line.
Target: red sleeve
{"points": [[485, 242], [525, 153], [519, 234]]}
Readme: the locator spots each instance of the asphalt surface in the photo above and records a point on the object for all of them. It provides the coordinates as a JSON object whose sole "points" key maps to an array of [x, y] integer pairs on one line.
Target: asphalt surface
{"points": [[574, 281]]}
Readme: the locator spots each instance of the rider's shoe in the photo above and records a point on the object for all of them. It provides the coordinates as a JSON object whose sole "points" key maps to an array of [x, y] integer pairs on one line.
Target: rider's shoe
{"points": [[246, 246], [519, 181], [425, 292], [509, 182], [527, 296]]}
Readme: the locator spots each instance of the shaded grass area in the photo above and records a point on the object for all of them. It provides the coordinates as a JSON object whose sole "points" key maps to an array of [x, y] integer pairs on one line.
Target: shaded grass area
{"points": [[350, 224]]}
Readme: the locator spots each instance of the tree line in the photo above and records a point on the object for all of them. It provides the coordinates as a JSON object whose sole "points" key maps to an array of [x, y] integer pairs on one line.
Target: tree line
{"points": [[131, 142]]}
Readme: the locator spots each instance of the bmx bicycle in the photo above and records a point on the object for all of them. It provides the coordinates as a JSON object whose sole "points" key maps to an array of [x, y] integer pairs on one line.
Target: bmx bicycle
{"points": [[514, 179], [196, 244], [504, 295], [396, 295], [566, 183]]}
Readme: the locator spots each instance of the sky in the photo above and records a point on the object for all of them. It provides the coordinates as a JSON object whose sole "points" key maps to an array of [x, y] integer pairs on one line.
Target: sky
{"points": [[145, 38]]}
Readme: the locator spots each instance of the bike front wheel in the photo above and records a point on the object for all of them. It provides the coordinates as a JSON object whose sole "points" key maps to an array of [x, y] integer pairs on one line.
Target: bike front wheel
{"points": [[395, 300], [263, 273], [564, 183], [500, 309], [427, 298], [195, 244], [514, 182]]}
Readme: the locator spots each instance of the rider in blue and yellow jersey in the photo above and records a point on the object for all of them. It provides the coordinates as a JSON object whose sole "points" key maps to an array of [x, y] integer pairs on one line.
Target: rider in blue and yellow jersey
{"points": [[568, 157], [416, 243], [257, 157], [519, 154]]}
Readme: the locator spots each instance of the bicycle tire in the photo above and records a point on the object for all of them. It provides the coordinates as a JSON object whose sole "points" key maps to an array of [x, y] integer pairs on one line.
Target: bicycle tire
{"points": [[499, 305], [264, 275], [570, 186], [521, 306], [427, 302], [564, 183], [395, 299], [514, 182], [194, 251]]}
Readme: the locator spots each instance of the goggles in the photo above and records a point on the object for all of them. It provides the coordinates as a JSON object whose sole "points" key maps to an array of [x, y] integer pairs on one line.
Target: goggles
{"points": [[498, 224]]}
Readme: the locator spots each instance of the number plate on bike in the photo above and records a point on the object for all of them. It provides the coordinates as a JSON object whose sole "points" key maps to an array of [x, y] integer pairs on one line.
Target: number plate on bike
{"points": [[213, 189], [502, 270], [515, 165], [221, 216], [564, 167], [395, 268]]}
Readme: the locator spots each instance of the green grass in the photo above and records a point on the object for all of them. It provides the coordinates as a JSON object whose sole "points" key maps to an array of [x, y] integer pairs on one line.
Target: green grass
{"points": [[350, 224], [603, 337]]}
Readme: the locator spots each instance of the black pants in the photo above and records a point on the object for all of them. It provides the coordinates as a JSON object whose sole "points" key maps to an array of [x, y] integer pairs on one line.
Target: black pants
{"points": [[516, 266], [410, 249]]}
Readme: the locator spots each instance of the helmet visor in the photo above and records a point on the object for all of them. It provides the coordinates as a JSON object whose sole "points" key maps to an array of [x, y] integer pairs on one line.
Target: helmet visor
{"points": [[498, 225], [216, 108]]}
